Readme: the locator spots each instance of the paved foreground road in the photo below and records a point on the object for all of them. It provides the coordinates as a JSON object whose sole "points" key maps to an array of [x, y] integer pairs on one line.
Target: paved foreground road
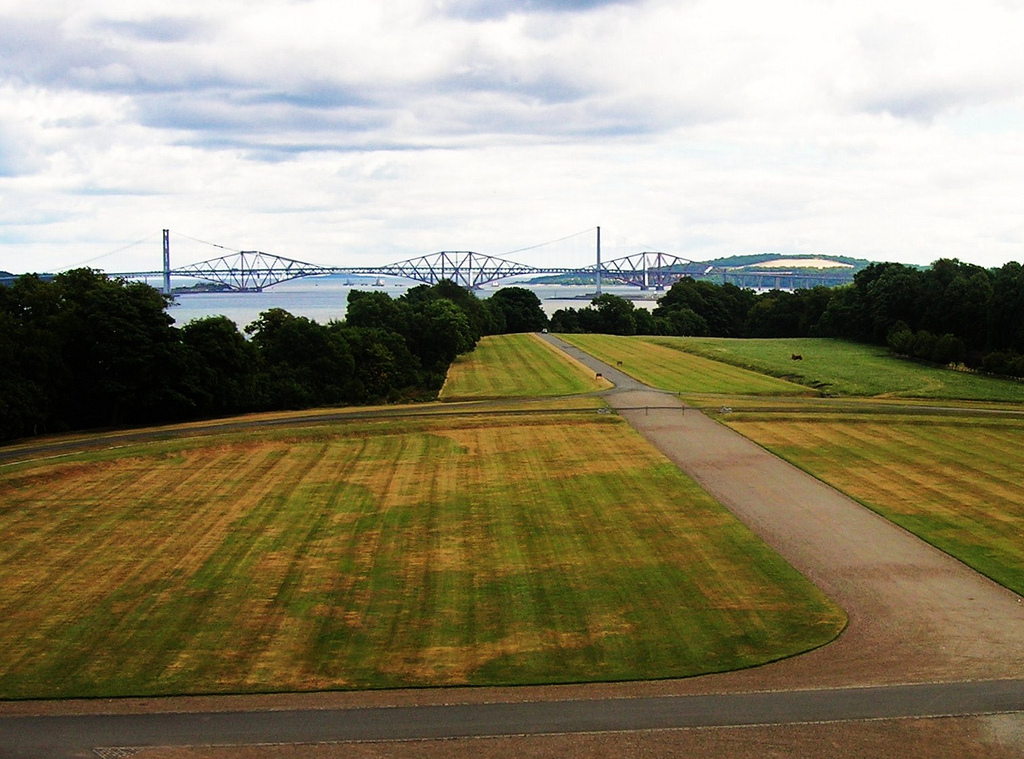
{"points": [[78, 736]]}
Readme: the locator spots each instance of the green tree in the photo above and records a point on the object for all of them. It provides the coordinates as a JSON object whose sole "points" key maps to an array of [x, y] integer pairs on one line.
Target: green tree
{"points": [[958, 301], [476, 313], [1006, 309], [119, 350], [614, 315], [301, 363], [893, 295], [520, 309], [32, 361], [723, 308], [566, 321], [385, 369], [778, 313], [219, 366], [646, 324], [375, 310], [440, 331]]}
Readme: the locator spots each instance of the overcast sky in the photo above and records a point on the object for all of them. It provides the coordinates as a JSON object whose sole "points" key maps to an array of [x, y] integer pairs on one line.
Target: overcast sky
{"points": [[359, 132]]}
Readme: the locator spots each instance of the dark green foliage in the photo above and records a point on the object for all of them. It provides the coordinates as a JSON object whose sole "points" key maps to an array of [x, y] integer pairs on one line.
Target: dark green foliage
{"points": [[951, 313], [1006, 310], [385, 369], [374, 310], [301, 363], [645, 322], [472, 307], [787, 314], [439, 331], [566, 320], [220, 366], [614, 315], [85, 351], [518, 309], [723, 308], [608, 314]]}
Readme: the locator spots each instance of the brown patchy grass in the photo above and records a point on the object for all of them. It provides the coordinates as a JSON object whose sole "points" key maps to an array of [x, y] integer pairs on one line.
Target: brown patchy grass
{"points": [[474, 550], [953, 480]]}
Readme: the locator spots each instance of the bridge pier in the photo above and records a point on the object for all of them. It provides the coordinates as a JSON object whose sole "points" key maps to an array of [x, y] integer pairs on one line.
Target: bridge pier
{"points": [[167, 262]]}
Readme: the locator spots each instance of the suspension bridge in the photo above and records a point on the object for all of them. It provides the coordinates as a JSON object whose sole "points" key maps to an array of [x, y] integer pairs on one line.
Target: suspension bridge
{"points": [[255, 271]]}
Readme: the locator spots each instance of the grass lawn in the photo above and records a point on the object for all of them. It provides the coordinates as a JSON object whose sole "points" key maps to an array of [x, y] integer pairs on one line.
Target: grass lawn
{"points": [[953, 478], [517, 366], [479, 550], [678, 371], [954, 481], [837, 367]]}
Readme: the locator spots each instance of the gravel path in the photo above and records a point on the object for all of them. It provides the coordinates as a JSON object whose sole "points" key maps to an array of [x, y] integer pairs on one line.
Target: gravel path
{"points": [[916, 614]]}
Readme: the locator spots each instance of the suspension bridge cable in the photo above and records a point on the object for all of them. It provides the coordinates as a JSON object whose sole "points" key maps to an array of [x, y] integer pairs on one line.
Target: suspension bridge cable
{"points": [[549, 242], [646, 246], [625, 242], [110, 253], [204, 242]]}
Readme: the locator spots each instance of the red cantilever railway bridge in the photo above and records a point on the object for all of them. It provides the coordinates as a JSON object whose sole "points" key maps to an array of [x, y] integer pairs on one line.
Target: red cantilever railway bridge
{"points": [[250, 270], [254, 271]]}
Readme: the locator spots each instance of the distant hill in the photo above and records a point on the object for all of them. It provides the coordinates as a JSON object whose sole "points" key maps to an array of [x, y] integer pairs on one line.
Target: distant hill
{"points": [[814, 261], [762, 271], [768, 271]]}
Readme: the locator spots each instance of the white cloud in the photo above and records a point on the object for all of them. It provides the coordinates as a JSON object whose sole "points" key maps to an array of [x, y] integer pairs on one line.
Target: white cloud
{"points": [[368, 132]]}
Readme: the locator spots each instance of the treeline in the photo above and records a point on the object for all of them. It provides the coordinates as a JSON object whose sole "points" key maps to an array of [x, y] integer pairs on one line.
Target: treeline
{"points": [[951, 312], [85, 351]]}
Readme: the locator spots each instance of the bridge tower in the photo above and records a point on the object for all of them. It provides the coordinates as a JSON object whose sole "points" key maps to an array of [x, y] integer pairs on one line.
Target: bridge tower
{"points": [[597, 277], [167, 262]]}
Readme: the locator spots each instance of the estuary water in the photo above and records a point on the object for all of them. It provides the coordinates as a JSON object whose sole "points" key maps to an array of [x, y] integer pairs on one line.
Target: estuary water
{"points": [[323, 299]]}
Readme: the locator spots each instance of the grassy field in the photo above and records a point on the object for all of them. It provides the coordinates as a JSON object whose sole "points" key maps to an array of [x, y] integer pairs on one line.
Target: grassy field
{"points": [[494, 549], [517, 366], [678, 371], [836, 367], [953, 480], [951, 477]]}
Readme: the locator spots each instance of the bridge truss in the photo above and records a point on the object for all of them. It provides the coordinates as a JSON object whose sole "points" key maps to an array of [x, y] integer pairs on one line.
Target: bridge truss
{"points": [[645, 270], [463, 267], [251, 270], [254, 271]]}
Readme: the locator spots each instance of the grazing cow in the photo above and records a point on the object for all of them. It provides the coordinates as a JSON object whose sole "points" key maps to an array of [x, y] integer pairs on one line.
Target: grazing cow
{"points": [[797, 357]]}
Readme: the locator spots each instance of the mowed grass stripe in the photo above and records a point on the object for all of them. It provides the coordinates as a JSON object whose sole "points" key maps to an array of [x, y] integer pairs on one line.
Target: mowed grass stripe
{"points": [[675, 370], [157, 551], [517, 366], [953, 482], [488, 551], [837, 367]]}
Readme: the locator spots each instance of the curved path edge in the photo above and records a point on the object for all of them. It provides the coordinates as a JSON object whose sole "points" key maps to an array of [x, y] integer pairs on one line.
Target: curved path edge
{"points": [[915, 613]]}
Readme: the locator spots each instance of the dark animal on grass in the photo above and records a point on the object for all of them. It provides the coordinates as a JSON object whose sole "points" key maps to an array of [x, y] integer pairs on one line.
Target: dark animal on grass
{"points": [[797, 357]]}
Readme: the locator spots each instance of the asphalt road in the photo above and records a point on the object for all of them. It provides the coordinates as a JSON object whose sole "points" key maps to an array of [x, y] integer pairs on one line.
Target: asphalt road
{"points": [[79, 736]]}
